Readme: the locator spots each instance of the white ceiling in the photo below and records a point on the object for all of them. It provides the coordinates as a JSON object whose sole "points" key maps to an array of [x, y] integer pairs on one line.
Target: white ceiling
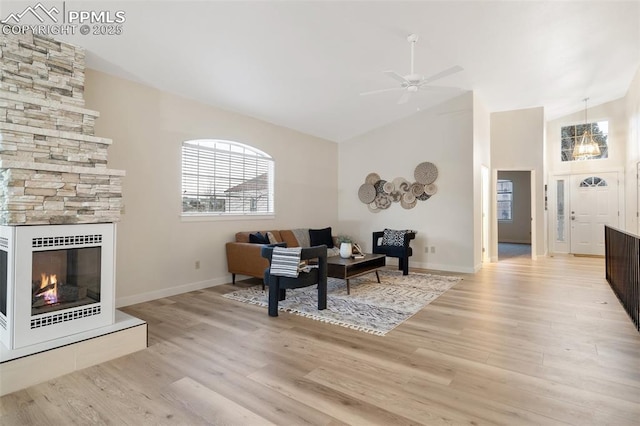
{"points": [[303, 64]]}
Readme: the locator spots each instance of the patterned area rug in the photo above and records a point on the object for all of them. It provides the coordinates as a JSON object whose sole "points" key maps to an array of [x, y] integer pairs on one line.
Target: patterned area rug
{"points": [[372, 307]]}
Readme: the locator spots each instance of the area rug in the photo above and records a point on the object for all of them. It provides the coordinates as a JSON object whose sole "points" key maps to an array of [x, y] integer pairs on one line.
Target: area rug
{"points": [[372, 307]]}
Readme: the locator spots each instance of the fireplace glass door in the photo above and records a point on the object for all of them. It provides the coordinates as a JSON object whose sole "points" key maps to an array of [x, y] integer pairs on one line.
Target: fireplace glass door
{"points": [[64, 279]]}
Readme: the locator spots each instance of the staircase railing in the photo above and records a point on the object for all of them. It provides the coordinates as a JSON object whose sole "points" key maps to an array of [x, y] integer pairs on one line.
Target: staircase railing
{"points": [[622, 253]]}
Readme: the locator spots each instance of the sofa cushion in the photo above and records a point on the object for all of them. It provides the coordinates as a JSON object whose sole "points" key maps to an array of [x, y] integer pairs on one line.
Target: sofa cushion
{"points": [[258, 238], [302, 236], [319, 237], [272, 238]]}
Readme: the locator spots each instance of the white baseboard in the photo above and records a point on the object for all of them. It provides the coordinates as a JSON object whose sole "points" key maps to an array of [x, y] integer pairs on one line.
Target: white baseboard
{"points": [[515, 241], [171, 291], [444, 267]]}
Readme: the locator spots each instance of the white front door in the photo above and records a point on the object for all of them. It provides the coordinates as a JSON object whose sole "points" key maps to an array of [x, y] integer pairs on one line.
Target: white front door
{"points": [[594, 203]]}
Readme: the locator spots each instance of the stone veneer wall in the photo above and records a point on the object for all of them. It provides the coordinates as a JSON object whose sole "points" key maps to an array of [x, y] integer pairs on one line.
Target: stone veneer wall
{"points": [[53, 169]]}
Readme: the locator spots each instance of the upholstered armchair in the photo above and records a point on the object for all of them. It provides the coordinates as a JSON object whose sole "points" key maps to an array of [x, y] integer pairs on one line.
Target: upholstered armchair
{"points": [[395, 244], [278, 285]]}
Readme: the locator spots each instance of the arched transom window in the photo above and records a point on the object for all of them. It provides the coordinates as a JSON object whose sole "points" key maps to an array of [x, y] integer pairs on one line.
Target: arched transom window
{"points": [[593, 181], [226, 178]]}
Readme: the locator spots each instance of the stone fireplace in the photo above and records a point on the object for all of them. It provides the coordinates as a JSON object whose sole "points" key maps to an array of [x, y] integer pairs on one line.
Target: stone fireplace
{"points": [[58, 200]]}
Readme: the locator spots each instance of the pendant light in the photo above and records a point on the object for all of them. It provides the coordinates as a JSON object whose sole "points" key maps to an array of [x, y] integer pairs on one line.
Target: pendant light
{"points": [[587, 148]]}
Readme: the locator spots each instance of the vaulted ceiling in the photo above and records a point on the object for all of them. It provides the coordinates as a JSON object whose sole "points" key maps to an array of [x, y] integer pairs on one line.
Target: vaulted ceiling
{"points": [[303, 65]]}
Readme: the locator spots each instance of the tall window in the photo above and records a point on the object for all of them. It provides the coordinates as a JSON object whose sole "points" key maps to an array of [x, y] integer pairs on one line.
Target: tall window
{"points": [[226, 178], [571, 136], [505, 200]]}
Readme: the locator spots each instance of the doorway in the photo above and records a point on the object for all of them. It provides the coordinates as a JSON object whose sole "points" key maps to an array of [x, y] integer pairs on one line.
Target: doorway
{"points": [[514, 214], [580, 206]]}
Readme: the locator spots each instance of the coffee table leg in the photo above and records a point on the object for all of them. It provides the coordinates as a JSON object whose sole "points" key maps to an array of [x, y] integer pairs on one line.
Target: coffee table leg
{"points": [[348, 288], [377, 276]]}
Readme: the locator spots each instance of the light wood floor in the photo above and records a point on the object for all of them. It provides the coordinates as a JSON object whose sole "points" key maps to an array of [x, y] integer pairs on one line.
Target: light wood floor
{"points": [[522, 342]]}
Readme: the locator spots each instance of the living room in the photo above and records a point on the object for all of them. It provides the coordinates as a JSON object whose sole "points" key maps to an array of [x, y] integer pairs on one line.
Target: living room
{"points": [[162, 252]]}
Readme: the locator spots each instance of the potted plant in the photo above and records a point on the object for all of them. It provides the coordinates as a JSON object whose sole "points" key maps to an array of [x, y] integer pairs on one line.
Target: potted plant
{"points": [[346, 248]]}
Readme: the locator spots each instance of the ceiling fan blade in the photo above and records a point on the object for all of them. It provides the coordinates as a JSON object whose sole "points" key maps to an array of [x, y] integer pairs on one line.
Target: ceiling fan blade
{"points": [[404, 98], [423, 86], [373, 92], [396, 76], [442, 74]]}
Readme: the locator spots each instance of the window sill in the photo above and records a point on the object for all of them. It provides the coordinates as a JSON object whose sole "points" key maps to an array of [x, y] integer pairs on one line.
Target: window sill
{"points": [[224, 217]]}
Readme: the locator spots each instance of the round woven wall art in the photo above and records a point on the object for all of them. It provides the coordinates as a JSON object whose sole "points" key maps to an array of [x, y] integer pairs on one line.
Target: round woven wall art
{"points": [[383, 201], [379, 185], [408, 198], [407, 205], [378, 194], [401, 184], [372, 178], [366, 193], [417, 189], [426, 173]]}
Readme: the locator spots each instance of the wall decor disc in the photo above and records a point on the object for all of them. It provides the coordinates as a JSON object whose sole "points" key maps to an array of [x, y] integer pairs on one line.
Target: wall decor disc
{"points": [[408, 198], [366, 193], [388, 187], [430, 189], [417, 189], [372, 178], [379, 185], [383, 201], [396, 196], [373, 209], [406, 205], [401, 184], [425, 173], [423, 197]]}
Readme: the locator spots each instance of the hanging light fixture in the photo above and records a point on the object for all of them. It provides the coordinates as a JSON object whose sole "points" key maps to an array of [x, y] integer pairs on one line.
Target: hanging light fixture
{"points": [[587, 148]]}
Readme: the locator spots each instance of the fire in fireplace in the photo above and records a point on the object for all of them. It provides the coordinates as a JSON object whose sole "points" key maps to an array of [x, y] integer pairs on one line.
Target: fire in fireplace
{"points": [[64, 279]]}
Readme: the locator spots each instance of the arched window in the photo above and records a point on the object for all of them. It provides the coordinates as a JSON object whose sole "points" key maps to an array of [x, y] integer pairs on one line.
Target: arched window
{"points": [[226, 178], [593, 181]]}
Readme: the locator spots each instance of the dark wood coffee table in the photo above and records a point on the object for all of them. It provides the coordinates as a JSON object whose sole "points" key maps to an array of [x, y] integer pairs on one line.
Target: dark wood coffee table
{"points": [[337, 267]]}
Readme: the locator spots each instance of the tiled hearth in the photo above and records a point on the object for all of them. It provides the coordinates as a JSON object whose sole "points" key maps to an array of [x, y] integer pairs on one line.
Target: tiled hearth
{"points": [[59, 205]]}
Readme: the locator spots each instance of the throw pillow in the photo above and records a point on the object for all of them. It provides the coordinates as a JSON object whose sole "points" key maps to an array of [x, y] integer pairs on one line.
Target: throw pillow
{"points": [[321, 236], [391, 237], [272, 239], [258, 238]]}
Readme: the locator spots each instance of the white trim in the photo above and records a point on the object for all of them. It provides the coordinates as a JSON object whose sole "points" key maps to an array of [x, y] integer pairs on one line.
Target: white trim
{"points": [[220, 217]]}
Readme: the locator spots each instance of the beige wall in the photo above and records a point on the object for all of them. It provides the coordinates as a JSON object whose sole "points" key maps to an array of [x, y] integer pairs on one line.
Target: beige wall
{"points": [[632, 181], [442, 135], [156, 251]]}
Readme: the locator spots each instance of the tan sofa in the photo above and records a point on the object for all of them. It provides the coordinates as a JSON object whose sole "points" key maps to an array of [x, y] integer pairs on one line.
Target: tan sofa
{"points": [[244, 258]]}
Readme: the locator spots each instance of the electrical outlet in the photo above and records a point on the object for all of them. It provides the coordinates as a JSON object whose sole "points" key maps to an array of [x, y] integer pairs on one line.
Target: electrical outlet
{"points": [[433, 249], [197, 264], [426, 249]]}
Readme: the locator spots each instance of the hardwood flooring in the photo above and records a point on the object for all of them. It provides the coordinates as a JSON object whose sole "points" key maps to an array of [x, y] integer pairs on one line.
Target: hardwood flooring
{"points": [[522, 342]]}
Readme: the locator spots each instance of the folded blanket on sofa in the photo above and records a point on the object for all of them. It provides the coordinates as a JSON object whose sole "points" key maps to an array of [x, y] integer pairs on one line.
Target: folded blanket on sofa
{"points": [[285, 261]]}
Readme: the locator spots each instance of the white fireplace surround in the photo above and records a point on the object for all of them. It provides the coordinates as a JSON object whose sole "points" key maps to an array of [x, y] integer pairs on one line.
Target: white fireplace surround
{"points": [[19, 329]]}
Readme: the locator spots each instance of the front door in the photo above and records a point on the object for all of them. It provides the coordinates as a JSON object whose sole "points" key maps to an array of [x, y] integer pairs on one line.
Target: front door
{"points": [[594, 203]]}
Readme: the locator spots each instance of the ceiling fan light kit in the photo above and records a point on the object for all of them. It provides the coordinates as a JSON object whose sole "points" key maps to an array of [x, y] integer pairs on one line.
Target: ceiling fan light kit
{"points": [[413, 81]]}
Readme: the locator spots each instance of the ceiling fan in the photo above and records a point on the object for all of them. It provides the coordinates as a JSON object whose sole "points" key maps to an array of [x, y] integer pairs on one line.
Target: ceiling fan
{"points": [[413, 82]]}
